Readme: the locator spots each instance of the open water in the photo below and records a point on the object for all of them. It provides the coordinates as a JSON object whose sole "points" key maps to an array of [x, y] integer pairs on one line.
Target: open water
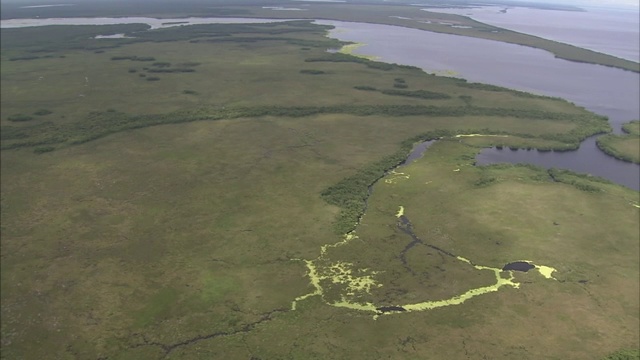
{"points": [[607, 91], [607, 30]]}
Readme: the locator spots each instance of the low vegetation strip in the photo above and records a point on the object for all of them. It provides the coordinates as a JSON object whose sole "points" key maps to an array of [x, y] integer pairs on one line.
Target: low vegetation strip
{"points": [[624, 354], [29, 43], [422, 94], [459, 82], [489, 87], [340, 57], [134, 58], [99, 124], [622, 147]]}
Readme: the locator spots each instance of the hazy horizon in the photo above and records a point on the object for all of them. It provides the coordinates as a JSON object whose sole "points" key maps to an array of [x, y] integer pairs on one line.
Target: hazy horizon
{"points": [[587, 3]]}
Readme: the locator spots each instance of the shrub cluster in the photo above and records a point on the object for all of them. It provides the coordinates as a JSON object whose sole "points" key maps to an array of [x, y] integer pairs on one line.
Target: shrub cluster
{"points": [[42, 112], [19, 118], [101, 124], [365, 88], [25, 57], [134, 58], [400, 83], [584, 182], [422, 94], [172, 70], [632, 127], [339, 57], [488, 87], [312, 72]]}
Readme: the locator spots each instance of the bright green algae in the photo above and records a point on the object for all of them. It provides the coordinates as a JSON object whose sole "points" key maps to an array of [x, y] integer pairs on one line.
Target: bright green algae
{"points": [[362, 281], [350, 48]]}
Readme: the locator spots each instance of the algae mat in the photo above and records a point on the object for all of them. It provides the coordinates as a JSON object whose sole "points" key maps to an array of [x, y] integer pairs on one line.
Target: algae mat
{"points": [[356, 282]]}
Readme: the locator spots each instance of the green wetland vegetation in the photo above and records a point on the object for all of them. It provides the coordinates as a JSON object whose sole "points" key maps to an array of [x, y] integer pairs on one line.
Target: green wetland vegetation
{"points": [[253, 208], [624, 147]]}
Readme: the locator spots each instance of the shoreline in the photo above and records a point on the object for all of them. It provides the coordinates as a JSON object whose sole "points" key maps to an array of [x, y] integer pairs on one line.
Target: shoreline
{"points": [[558, 49]]}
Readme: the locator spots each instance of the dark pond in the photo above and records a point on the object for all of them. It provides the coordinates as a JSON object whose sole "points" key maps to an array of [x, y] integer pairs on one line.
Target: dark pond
{"points": [[385, 309], [519, 266]]}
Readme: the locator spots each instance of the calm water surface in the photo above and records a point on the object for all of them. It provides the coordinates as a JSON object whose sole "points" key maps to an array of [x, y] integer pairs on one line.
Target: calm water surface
{"points": [[611, 31], [607, 91], [588, 159], [153, 22]]}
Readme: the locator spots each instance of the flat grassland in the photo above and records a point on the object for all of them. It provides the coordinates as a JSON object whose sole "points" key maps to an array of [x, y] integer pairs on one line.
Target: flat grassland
{"points": [[186, 217]]}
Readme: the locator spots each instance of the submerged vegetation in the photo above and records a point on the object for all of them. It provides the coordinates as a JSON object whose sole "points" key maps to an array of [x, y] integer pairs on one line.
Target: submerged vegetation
{"points": [[176, 218]]}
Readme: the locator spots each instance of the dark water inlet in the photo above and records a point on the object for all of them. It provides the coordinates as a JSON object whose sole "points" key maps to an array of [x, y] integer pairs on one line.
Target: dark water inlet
{"points": [[417, 152], [588, 159]]}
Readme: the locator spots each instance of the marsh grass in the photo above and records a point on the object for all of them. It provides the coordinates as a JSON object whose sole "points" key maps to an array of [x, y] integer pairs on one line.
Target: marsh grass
{"points": [[167, 226], [624, 147]]}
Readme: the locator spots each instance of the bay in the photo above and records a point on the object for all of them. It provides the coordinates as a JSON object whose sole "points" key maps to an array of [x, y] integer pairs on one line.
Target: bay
{"points": [[603, 90]]}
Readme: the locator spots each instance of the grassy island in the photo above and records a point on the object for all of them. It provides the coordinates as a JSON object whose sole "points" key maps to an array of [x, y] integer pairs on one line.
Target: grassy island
{"points": [[624, 147]]}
